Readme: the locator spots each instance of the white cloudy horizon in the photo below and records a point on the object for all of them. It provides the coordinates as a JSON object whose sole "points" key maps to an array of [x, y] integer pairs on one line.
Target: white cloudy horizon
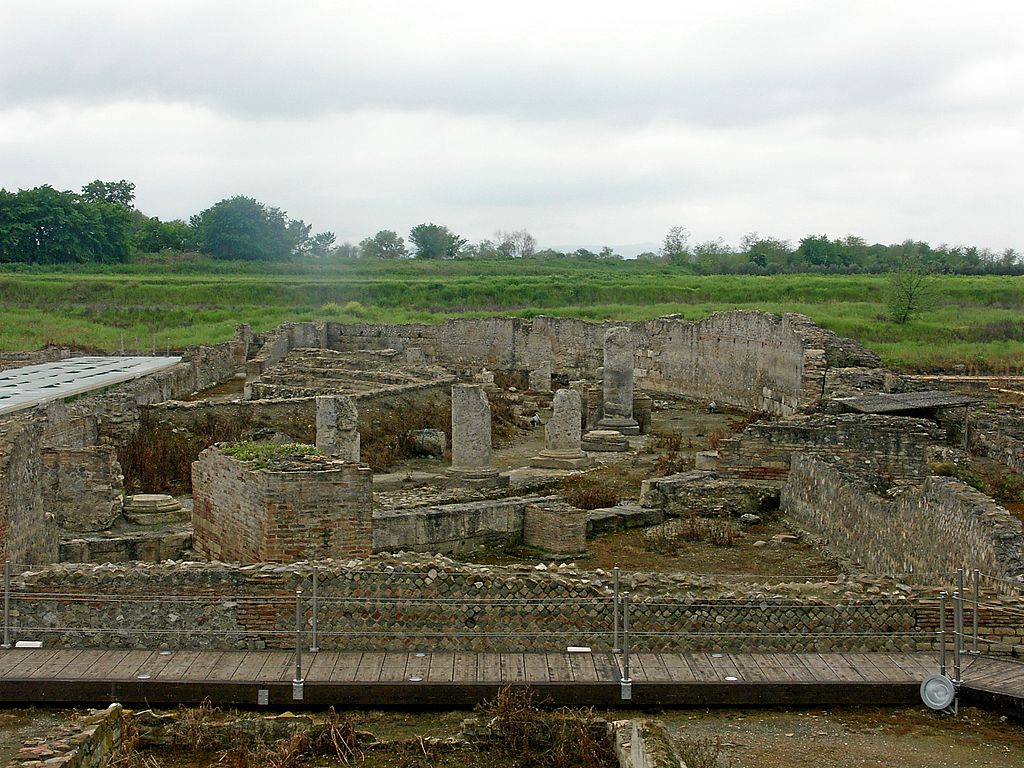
{"points": [[582, 122]]}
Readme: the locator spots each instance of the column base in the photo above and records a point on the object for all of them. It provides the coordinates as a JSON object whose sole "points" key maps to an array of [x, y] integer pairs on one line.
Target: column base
{"points": [[620, 424], [476, 478], [561, 460]]}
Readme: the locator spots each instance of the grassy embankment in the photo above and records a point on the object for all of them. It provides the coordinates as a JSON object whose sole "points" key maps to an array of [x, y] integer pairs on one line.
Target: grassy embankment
{"points": [[977, 321]]}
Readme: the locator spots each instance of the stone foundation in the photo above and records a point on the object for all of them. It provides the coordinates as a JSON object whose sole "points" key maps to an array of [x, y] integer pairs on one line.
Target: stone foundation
{"points": [[556, 529]]}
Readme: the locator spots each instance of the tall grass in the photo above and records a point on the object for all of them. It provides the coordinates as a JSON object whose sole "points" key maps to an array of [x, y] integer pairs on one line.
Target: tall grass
{"points": [[171, 305]]}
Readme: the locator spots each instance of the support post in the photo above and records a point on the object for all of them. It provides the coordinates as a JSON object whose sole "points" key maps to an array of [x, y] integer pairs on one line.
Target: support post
{"points": [[626, 684], [615, 611], [297, 681], [942, 633], [313, 644], [958, 634], [977, 601], [7, 604]]}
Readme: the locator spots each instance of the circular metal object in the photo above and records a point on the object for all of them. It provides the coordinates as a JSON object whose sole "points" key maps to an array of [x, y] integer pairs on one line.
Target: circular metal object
{"points": [[415, 679], [937, 692], [731, 678], [143, 676]]}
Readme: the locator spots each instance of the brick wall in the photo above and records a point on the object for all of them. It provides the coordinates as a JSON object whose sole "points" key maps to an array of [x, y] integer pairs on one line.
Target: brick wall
{"points": [[27, 534], [555, 528], [243, 514], [82, 487]]}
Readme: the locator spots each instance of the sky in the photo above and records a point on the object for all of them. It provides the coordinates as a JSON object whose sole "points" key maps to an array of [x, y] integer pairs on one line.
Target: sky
{"points": [[586, 123]]}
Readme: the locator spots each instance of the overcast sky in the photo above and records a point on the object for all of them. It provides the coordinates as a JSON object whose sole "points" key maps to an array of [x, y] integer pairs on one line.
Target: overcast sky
{"points": [[584, 122]]}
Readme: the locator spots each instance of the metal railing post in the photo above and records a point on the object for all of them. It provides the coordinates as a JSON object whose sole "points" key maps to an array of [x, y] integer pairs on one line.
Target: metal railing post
{"points": [[626, 684], [615, 611], [297, 682], [977, 601], [958, 634], [313, 645], [942, 633], [7, 604]]}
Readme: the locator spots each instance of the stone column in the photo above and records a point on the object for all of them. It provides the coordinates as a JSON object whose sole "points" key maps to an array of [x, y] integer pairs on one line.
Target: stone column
{"points": [[337, 427], [471, 438], [618, 382], [540, 379], [562, 435]]}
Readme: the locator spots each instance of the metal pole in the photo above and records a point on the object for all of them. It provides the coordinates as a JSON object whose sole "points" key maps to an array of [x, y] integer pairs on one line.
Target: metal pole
{"points": [[626, 684], [7, 604], [942, 633], [615, 612], [297, 682], [313, 646], [958, 634], [977, 601]]}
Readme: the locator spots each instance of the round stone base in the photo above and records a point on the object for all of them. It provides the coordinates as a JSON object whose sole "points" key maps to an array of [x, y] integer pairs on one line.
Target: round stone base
{"points": [[619, 424], [561, 460], [152, 509], [604, 440], [476, 478]]}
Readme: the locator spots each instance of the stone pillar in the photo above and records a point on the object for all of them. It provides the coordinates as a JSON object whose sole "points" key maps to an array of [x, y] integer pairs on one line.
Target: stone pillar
{"points": [[562, 435], [337, 427], [471, 438], [540, 379], [618, 382]]}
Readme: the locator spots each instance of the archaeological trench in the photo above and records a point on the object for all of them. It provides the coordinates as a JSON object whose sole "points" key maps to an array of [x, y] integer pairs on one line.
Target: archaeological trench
{"points": [[182, 509]]}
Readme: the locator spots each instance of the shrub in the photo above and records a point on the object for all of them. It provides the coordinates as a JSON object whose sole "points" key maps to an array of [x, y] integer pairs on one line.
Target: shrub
{"points": [[667, 538], [604, 487]]}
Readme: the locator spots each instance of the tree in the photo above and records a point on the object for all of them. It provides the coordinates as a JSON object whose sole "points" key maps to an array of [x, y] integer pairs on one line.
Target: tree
{"points": [[433, 241], [346, 251], [120, 193], [519, 244], [48, 226], [675, 247], [321, 244], [243, 228], [151, 235], [384, 245], [911, 291]]}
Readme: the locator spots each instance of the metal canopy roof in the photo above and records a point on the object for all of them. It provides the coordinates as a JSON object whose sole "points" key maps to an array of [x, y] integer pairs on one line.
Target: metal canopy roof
{"points": [[34, 384], [905, 401]]}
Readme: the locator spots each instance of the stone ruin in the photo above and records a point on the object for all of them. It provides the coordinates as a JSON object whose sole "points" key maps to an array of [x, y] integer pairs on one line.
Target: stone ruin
{"points": [[331, 384]]}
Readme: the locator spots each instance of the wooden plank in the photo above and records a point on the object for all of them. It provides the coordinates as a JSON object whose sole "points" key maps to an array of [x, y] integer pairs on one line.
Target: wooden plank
{"points": [[275, 664], [442, 667], [101, 669], [677, 668], [559, 670], [229, 662], [249, 669], [131, 666], [914, 665], [749, 670], [654, 667], [488, 667], [465, 669], [582, 665], [369, 667], [394, 666], [33, 661], [874, 668], [637, 673], [536, 667], [346, 667], [794, 665], [12, 657], [204, 663], [321, 666], [724, 666], [513, 668], [417, 666], [179, 662], [843, 670], [773, 669], [703, 670], [606, 665], [814, 663], [56, 663]]}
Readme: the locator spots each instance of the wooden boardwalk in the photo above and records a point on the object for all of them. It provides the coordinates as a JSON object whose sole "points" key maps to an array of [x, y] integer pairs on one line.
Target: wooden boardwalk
{"points": [[454, 680]]}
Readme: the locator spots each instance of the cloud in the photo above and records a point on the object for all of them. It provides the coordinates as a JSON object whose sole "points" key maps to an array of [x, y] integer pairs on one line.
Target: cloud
{"points": [[583, 122]]}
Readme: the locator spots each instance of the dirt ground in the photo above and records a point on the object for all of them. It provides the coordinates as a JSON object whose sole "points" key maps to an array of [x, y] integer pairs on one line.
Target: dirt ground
{"points": [[911, 737], [19, 725]]}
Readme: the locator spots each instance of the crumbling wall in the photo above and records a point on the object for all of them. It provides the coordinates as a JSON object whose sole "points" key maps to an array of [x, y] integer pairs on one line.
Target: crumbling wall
{"points": [[27, 534], [937, 528], [752, 360], [888, 449], [82, 487], [242, 513]]}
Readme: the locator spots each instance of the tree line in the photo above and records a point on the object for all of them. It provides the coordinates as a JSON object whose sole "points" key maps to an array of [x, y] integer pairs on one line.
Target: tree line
{"points": [[101, 224]]}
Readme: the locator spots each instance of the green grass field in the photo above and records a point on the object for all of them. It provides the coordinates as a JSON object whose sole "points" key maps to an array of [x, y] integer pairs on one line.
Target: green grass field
{"points": [[977, 321]]}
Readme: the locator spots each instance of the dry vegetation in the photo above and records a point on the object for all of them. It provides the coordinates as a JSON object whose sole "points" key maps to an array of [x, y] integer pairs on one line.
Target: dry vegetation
{"points": [[667, 538], [603, 487]]}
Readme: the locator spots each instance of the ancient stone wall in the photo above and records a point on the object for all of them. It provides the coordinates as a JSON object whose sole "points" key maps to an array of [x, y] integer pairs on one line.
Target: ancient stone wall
{"points": [[27, 534], [82, 487], [556, 529], [389, 603], [888, 449], [942, 526], [245, 514], [89, 741], [752, 360]]}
